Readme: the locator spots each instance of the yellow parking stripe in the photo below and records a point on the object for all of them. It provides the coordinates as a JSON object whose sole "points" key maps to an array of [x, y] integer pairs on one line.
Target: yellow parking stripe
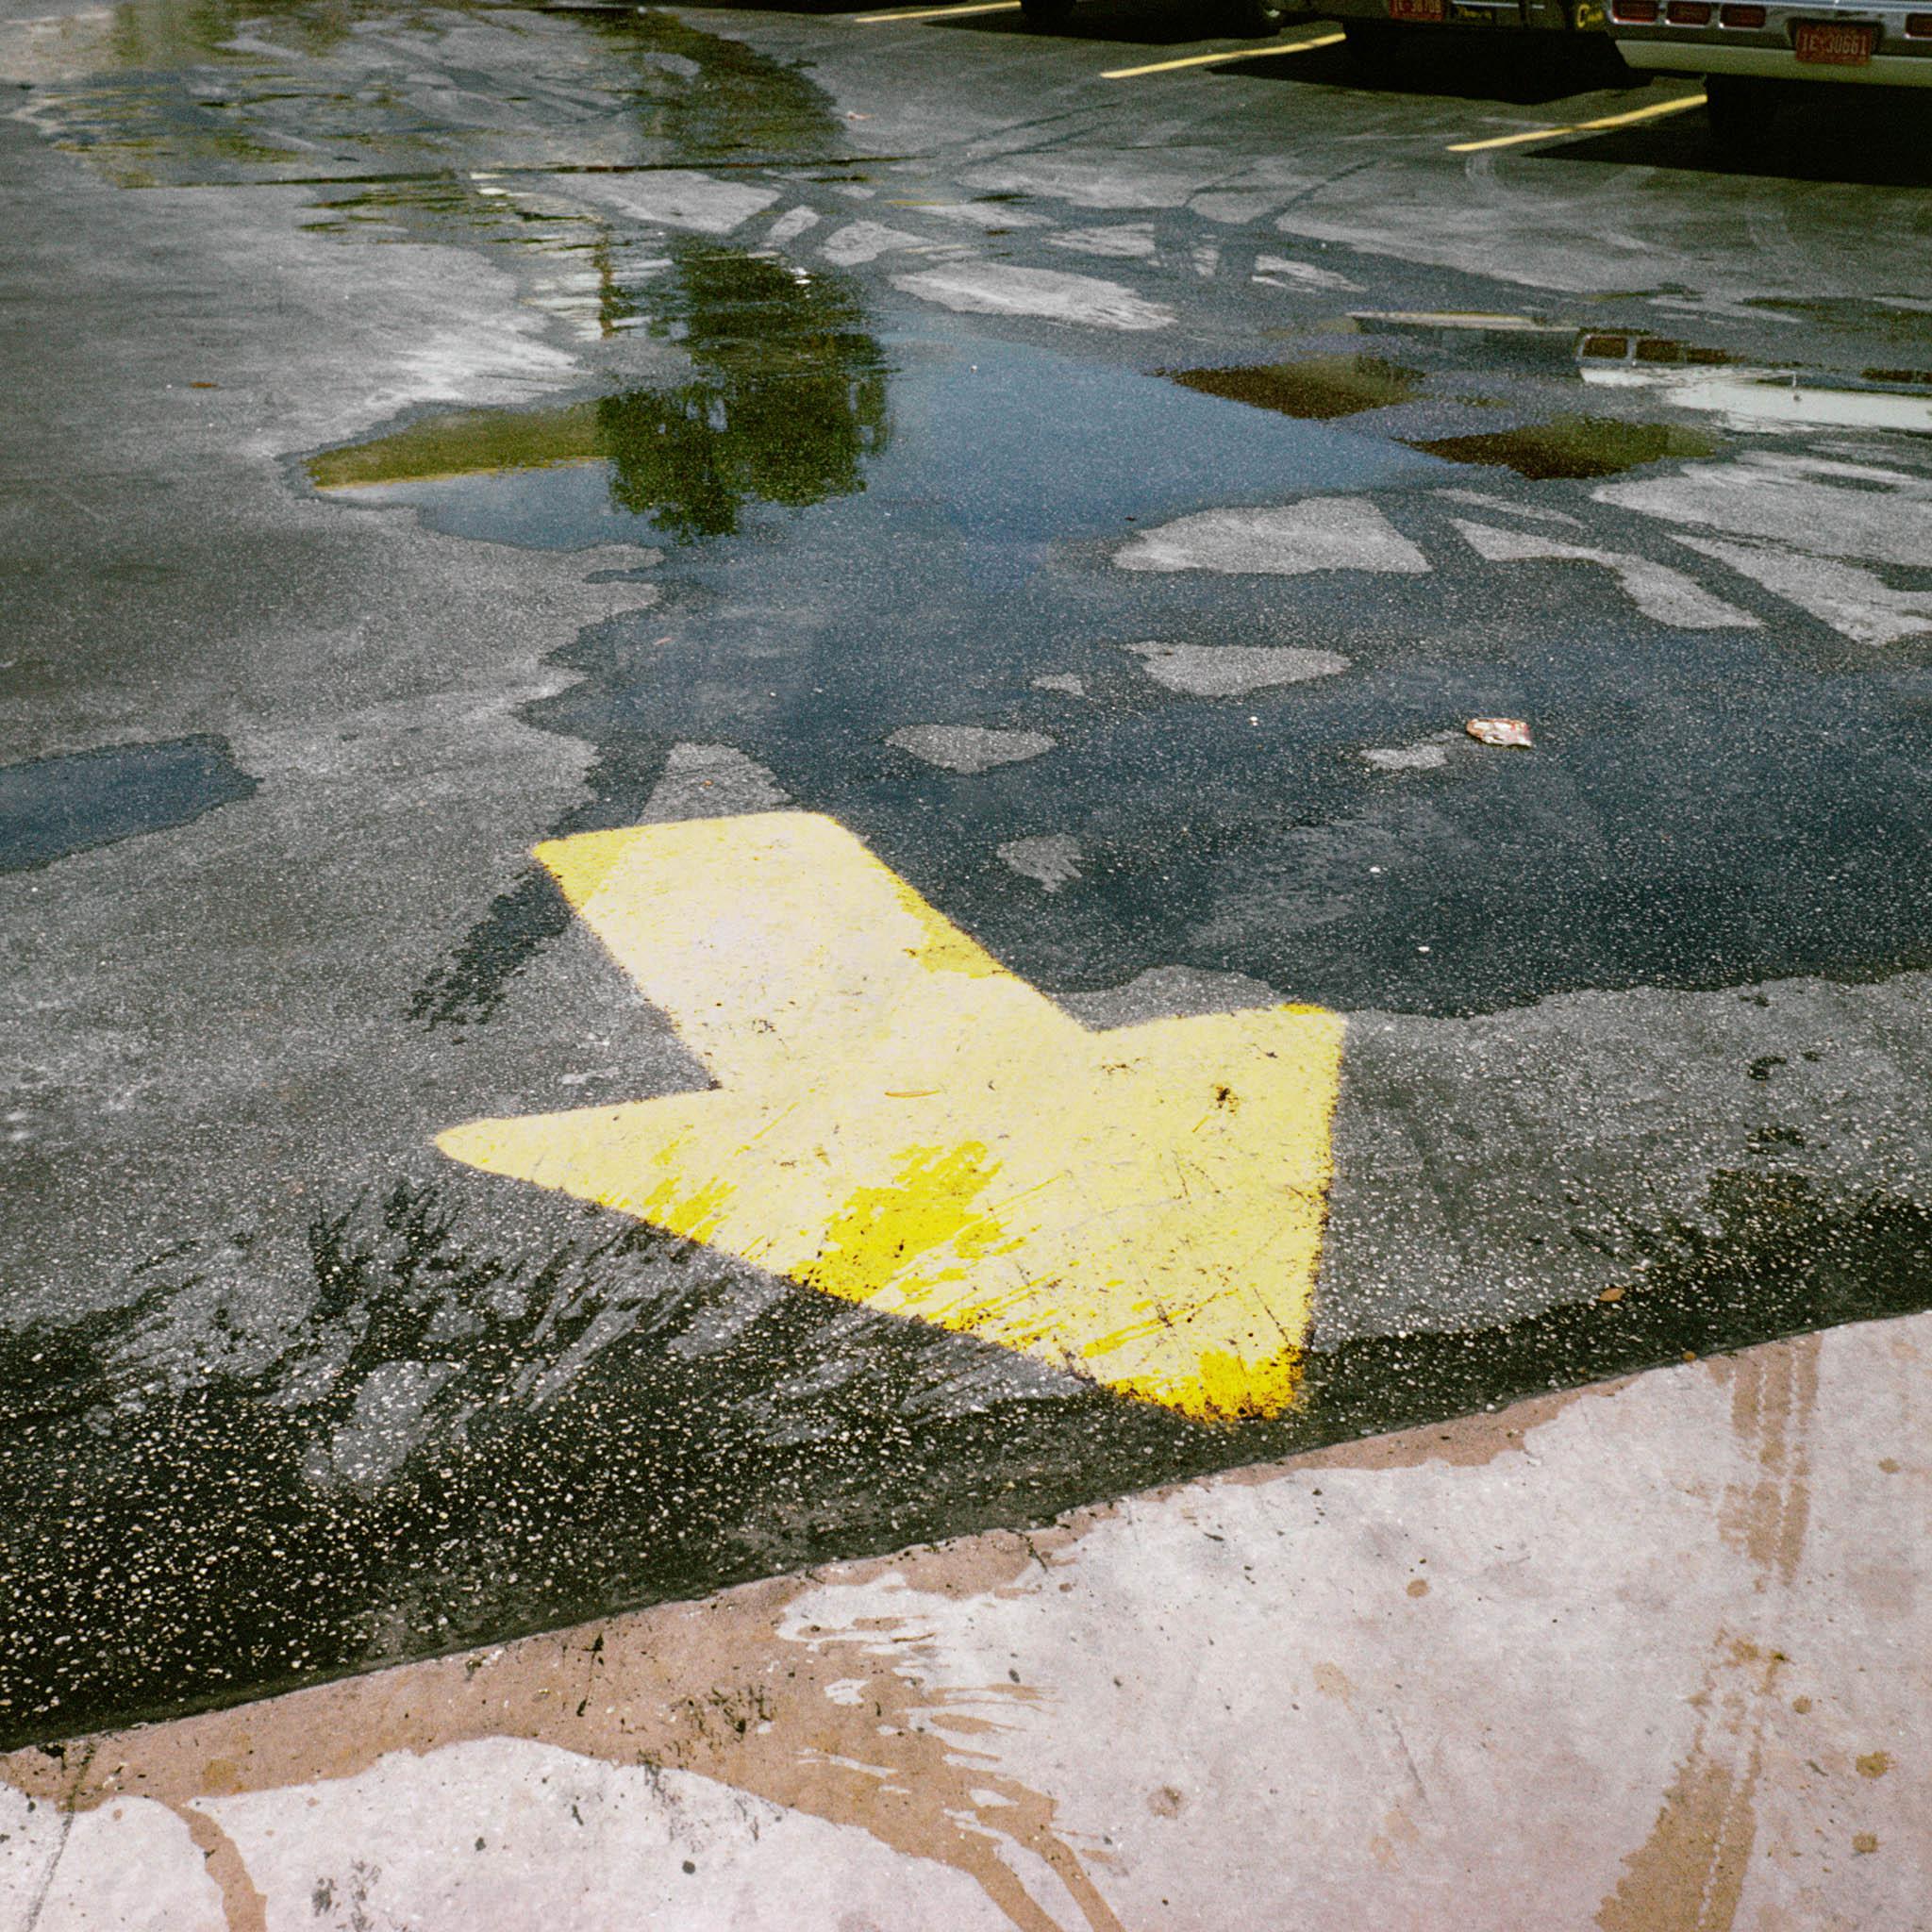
{"points": [[1653, 113], [1216, 59], [937, 13]]}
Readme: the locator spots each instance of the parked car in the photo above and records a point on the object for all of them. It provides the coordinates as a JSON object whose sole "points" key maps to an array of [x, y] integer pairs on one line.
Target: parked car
{"points": [[1753, 53], [1377, 29]]}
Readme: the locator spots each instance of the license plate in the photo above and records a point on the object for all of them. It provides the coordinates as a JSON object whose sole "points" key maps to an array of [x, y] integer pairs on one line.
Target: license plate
{"points": [[1417, 10], [1825, 43]]}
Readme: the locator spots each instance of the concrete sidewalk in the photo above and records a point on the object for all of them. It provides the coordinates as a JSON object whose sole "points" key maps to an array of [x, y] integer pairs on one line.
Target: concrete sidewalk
{"points": [[1651, 1657]]}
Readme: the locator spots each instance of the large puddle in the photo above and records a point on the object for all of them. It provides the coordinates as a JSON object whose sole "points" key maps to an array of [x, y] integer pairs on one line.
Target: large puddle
{"points": [[788, 406], [886, 535]]}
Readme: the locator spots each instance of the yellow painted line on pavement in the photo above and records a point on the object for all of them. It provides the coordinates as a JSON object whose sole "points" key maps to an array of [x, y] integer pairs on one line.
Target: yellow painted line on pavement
{"points": [[1652, 114], [1218, 59], [937, 13], [900, 1122]]}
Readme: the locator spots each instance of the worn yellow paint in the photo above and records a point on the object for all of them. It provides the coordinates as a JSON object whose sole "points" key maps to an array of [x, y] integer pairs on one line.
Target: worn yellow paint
{"points": [[934, 13], [1656, 111], [1273, 51], [901, 1122]]}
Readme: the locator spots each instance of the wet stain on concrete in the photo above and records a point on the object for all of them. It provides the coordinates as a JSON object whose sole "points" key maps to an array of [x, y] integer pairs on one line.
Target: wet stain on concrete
{"points": [[243, 1907], [1317, 388], [1773, 1401], [50, 808], [1688, 1874], [473, 982], [1469, 1441], [1575, 447]]}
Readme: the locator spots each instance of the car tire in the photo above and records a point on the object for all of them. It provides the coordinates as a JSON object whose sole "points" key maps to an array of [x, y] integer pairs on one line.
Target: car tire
{"points": [[1044, 10], [1742, 113], [1372, 46]]}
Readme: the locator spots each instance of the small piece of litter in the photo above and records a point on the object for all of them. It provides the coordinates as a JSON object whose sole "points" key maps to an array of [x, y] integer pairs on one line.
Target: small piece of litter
{"points": [[1498, 731], [1612, 1294]]}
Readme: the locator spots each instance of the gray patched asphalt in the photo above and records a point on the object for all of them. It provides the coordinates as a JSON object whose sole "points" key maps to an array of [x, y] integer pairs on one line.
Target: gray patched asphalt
{"points": [[436, 430]]}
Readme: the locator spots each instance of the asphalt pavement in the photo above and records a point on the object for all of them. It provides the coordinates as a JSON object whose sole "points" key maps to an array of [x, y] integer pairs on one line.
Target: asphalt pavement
{"points": [[738, 810]]}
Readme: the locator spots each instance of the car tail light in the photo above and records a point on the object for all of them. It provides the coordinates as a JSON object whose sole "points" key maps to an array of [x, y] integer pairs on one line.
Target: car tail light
{"points": [[1742, 16], [1690, 13], [1919, 27], [1638, 12]]}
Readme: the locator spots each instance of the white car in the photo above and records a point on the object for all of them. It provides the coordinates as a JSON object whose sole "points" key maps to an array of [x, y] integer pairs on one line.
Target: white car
{"points": [[1752, 51]]}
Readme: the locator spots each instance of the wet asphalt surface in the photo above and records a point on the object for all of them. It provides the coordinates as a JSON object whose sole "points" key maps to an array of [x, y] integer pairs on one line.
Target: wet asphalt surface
{"points": [[429, 424]]}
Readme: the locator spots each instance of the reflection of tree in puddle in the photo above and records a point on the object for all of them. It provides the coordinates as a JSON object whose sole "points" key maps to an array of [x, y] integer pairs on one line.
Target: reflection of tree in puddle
{"points": [[788, 398]]}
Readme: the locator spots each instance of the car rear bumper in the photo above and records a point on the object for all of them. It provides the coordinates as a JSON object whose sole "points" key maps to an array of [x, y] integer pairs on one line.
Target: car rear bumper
{"points": [[1481, 16], [1768, 52], [1772, 63]]}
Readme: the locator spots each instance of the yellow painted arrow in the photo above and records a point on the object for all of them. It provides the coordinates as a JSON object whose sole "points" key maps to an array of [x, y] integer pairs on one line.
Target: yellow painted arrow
{"points": [[901, 1122]]}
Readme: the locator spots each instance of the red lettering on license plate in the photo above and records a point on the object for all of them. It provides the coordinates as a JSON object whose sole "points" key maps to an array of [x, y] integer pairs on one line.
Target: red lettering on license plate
{"points": [[1826, 44], [1417, 10]]}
